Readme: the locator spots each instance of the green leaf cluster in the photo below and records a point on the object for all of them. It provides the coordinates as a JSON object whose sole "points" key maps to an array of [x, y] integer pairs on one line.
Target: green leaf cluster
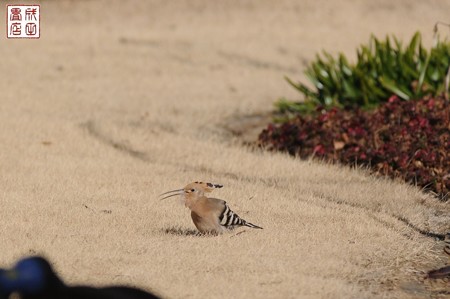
{"points": [[383, 68]]}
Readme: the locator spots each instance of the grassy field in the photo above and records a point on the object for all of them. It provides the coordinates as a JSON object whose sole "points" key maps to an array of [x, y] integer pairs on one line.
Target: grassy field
{"points": [[119, 101]]}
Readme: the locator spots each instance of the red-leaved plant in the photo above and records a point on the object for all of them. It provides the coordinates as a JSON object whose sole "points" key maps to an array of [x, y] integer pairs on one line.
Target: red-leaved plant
{"points": [[400, 139]]}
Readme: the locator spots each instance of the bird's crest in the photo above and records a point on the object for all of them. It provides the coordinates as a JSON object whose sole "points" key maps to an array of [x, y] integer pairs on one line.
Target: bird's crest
{"points": [[207, 187]]}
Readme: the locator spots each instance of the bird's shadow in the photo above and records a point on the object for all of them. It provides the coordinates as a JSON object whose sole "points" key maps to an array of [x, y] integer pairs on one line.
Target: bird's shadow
{"points": [[179, 231]]}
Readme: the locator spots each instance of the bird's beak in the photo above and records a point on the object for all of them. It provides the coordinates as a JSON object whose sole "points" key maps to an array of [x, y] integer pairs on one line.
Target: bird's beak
{"points": [[167, 194]]}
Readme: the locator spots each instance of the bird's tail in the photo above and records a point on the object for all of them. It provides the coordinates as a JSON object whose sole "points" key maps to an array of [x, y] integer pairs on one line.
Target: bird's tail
{"points": [[251, 225]]}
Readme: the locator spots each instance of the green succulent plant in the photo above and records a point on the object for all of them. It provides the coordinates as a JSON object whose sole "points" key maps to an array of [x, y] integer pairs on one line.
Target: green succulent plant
{"points": [[383, 68]]}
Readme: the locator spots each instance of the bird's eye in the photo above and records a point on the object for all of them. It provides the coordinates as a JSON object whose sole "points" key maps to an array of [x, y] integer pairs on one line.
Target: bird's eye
{"points": [[192, 190]]}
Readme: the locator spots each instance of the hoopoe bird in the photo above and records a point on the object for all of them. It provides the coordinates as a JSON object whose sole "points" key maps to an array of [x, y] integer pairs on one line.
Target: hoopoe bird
{"points": [[210, 215]]}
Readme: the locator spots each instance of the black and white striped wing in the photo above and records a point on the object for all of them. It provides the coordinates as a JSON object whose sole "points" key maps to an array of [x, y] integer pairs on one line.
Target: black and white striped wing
{"points": [[230, 219]]}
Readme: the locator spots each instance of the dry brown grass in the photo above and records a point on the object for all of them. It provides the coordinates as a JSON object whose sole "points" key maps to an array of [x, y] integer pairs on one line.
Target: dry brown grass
{"points": [[112, 117]]}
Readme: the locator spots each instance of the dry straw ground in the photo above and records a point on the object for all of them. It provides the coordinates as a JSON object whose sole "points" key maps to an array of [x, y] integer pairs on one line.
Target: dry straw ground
{"points": [[122, 100]]}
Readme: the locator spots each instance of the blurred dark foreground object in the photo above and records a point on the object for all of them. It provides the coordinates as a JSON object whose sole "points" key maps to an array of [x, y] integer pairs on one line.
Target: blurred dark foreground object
{"points": [[34, 278]]}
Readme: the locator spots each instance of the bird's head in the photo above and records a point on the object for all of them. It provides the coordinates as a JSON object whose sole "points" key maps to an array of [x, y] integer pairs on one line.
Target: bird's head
{"points": [[195, 189]]}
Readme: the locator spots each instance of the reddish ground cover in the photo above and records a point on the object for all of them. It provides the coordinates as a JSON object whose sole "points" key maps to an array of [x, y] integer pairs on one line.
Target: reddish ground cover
{"points": [[406, 139]]}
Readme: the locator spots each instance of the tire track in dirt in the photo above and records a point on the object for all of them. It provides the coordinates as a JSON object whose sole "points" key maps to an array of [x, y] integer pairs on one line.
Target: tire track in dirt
{"points": [[372, 214], [117, 145], [256, 63], [95, 132]]}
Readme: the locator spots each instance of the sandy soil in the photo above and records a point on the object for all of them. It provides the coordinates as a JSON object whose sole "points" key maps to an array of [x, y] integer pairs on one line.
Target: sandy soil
{"points": [[119, 101]]}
